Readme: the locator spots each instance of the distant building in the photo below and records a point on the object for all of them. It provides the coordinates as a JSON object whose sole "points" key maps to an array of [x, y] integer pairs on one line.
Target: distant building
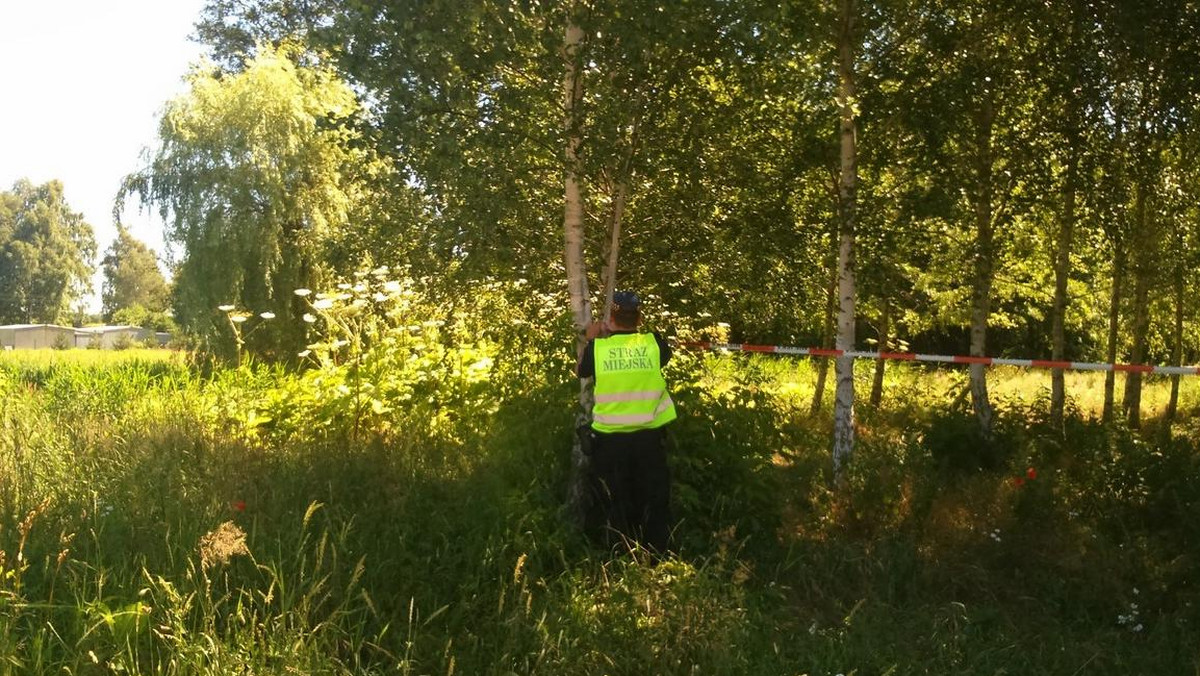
{"points": [[36, 336], [45, 336], [109, 337]]}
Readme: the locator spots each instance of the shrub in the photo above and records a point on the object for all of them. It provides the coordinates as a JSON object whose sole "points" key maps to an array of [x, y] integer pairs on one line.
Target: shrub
{"points": [[123, 342], [957, 444]]}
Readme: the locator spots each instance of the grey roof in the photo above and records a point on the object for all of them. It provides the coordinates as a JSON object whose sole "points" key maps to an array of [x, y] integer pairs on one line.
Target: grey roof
{"points": [[34, 326], [109, 329]]}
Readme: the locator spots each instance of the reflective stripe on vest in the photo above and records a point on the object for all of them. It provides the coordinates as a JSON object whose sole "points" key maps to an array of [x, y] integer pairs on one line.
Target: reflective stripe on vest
{"points": [[631, 393]]}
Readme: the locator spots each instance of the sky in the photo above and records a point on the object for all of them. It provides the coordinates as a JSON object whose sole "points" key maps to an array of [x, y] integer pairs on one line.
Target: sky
{"points": [[82, 83]]}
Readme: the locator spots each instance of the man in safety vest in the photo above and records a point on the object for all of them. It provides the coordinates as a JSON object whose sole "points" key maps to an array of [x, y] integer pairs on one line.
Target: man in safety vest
{"points": [[631, 484]]}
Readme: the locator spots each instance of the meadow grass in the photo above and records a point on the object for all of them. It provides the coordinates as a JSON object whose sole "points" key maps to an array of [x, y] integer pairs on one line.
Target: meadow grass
{"points": [[100, 358], [160, 520]]}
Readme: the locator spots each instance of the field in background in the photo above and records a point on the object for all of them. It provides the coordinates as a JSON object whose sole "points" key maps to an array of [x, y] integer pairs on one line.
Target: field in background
{"points": [[405, 517], [15, 359]]}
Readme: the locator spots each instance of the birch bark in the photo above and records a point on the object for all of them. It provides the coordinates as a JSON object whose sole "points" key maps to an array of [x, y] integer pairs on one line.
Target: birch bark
{"points": [[981, 297], [843, 409], [614, 246], [620, 195], [577, 283]]}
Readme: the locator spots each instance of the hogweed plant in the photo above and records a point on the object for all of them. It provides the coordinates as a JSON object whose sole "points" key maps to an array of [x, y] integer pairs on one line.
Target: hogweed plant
{"points": [[237, 318], [381, 356]]}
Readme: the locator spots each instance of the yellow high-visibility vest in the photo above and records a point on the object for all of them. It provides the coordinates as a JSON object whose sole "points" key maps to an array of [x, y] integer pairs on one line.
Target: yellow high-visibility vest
{"points": [[631, 393]]}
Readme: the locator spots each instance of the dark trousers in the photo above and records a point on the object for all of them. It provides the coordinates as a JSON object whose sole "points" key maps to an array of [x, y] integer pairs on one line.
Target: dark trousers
{"points": [[631, 489]]}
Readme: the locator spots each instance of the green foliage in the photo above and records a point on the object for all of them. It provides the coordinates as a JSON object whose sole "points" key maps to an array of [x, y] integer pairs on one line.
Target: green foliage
{"points": [[46, 254], [637, 607], [138, 315], [132, 279], [394, 504], [385, 359], [713, 124], [955, 442], [659, 94], [254, 173], [726, 443], [123, 342]]}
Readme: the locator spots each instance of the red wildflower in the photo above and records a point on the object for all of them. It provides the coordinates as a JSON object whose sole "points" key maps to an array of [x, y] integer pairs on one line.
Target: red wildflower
{"points": [[1031, 473], [238, 505], [1018, 481]]}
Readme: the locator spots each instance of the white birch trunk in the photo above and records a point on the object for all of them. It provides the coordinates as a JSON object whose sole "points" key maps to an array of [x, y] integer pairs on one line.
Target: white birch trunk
{"points": [[981, 301], [577, 283], [843, 407]]}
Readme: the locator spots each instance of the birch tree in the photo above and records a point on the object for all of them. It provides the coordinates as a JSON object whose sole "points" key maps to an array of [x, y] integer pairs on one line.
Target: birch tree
{"points": [[1154, 49], [843, 417], [1070, 99], [983, 139], [577, 281]]}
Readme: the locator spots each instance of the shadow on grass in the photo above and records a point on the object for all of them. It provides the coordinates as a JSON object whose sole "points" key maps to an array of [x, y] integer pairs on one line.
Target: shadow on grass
{"points": [[1074, 552]]}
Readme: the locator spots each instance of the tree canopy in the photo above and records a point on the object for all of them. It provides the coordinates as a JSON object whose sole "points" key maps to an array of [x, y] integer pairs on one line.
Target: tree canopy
{"points": [[131, 277], [46, 253], [1022, 165], [257, 174]]}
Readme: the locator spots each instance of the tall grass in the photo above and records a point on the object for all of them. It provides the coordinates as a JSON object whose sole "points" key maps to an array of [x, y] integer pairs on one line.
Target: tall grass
{"points": [[157, 520]]}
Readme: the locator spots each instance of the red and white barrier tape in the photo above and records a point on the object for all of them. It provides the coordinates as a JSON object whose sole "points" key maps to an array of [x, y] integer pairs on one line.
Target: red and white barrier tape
{"points": [[947, 359]]}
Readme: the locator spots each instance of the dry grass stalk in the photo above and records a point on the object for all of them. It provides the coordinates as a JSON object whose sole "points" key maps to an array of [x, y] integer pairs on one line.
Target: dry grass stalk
{"points": [[222, 544]]}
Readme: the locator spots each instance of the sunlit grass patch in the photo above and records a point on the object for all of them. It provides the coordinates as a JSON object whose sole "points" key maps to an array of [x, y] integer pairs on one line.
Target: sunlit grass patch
{"points": [[88, 358]]}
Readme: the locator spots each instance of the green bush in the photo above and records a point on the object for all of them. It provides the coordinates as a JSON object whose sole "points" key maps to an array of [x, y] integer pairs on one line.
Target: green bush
{"points": [[723, 447], [123, 342], [957, 444]]}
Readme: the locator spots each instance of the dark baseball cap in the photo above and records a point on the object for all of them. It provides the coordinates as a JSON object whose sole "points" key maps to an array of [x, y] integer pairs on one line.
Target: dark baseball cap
{"points": [[626, 300]]}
